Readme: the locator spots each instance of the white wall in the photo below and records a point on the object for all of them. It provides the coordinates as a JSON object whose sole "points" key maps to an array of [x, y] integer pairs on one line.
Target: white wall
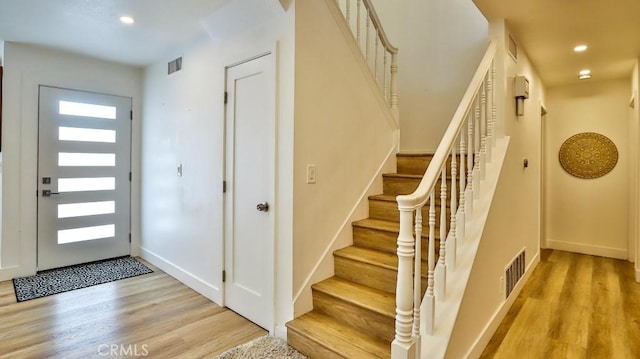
{"points": [[441, 43], [182, 217], [588, 215], [1, 52], [514, 219], [26, 67], [343, 126]]}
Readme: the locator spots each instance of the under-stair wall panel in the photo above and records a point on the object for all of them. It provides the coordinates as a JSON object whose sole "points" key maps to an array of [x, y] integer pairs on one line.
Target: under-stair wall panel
{"points": [[342, 126]]}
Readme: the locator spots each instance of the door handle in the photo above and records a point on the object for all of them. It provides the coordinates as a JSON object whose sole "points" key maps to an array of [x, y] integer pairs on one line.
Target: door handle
{"points": [[48, 193], [263, 207]]}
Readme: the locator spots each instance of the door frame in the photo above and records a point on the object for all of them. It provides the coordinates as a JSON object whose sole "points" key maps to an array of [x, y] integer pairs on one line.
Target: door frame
{"points": [[542, 238], [271, 55]]}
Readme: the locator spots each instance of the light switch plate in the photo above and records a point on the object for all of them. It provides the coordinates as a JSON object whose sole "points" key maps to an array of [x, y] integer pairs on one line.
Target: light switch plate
{"points": [[311, 174]]}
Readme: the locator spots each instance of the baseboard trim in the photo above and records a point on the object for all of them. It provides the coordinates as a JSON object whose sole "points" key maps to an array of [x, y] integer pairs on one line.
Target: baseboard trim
{"points": [[209, 291], [600, 251], [490, 329], [281, 332], [9, 273]]}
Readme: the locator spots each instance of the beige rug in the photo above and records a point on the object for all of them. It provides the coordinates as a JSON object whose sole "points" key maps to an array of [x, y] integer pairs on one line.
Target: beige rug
{"points": [[266, 347]]}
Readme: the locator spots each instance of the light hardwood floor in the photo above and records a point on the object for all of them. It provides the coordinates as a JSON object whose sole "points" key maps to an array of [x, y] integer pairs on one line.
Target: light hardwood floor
{"points": [[152, 316], [574, 306]]}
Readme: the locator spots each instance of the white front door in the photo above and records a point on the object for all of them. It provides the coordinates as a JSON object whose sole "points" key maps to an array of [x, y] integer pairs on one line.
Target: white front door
{"points": [[249, 174], [84, 156]]}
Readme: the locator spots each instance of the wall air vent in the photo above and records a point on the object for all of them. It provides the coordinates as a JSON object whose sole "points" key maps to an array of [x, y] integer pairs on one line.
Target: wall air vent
{"points": [[513, 48], [514, 272], [175, 65]]}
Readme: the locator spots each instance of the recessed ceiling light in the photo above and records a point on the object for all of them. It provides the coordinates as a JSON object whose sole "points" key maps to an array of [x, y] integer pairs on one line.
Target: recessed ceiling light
{"points": [[127, 20], [584, 77], [580, 48], [585, 72]]}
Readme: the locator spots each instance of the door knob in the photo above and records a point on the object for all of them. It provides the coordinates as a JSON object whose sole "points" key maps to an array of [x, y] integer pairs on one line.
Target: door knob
{"points": [[263, 207]]}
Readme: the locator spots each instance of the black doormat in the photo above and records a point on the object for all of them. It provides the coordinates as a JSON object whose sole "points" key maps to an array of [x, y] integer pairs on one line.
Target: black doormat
{"points": [[59, 280]]}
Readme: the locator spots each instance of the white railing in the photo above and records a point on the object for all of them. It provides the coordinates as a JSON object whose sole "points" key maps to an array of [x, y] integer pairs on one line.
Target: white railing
{"points": [[462, 153], [380, 55]]}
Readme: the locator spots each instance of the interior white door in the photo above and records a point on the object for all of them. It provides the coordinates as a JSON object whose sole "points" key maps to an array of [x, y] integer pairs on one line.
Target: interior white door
{"points": [[249, 173], [84, 156]]}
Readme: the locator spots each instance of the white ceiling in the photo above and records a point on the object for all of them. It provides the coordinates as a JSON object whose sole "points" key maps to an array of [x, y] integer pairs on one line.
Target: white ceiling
{"points": [[549, 29], [92, 27]]}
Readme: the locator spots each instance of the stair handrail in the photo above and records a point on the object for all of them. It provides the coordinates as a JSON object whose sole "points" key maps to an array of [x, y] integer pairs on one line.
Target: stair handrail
{"points": [[388, 85], [476, 111], [378, 25], [420, 195]]}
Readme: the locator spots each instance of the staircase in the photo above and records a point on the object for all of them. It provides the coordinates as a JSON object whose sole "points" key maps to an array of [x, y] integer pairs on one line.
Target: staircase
{"points": [[354, 311]]}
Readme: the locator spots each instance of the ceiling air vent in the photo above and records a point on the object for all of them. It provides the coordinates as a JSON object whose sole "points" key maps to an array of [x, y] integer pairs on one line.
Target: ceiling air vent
{"points": [[513, 48], [175, 65]]}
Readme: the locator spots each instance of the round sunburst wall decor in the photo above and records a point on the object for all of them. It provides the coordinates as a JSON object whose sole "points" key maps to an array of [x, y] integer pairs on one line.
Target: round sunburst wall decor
{"points": [[588, 155]]}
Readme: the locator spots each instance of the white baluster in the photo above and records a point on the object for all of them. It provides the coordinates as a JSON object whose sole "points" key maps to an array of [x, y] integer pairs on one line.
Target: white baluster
{"points": [[375, 57], [460, 235], [347, 12], [483, 130], [384, 77], [452, 240], [494, 108], [489, 141], [417, 280], [476, 145], [358, 22], [403, 342], [470, 191], [441, 269], [394, 83], [367, 39], [429, 298]]}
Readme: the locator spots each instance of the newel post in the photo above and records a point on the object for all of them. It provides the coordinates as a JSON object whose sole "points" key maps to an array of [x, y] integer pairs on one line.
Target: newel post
{"points": [[403, 346]]}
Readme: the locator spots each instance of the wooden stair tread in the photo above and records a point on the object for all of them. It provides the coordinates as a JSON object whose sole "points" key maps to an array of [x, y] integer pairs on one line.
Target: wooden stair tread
{"points": [[378, 224], [411, 176], [393, 198], [366, 297], [370, 256], [402, 175], [393, 227], [339, 338], [425, 154], [374, 257]]}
